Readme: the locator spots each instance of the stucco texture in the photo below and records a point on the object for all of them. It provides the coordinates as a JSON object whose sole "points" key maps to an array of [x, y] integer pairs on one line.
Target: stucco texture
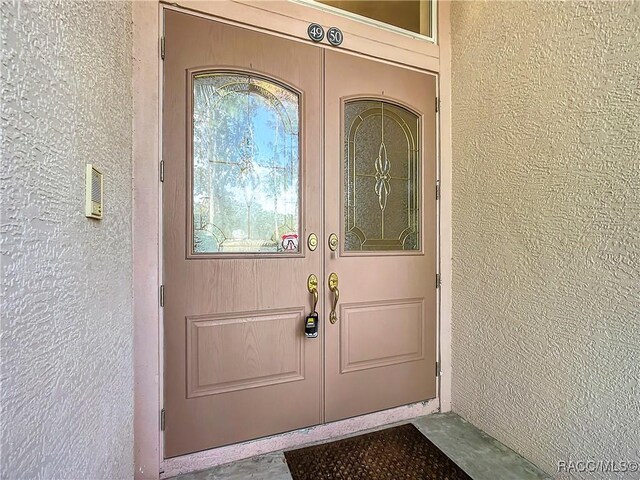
{"points": [[546, 228], [66, 398]]}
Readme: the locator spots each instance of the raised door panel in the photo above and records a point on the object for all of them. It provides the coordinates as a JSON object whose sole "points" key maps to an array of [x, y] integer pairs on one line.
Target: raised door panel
{"points": [[378, 333], [233, 352]]}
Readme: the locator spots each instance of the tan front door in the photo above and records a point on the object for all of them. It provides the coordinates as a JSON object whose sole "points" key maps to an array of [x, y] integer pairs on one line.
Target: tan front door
{"points": [[245, 185], [380, 201], [241, 192]]}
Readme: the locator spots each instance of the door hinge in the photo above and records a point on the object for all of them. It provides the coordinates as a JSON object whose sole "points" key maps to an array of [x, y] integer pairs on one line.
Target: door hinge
{"points": [[438, 280], [438, 190], [162, 295], [437, 103], [162, 170], [162, 420], [437, 369], [162, 48]]}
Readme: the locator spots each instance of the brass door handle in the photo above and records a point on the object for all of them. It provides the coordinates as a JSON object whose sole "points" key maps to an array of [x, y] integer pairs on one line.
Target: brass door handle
{"points": [[333, 286], [312, 286], [311, 320]]}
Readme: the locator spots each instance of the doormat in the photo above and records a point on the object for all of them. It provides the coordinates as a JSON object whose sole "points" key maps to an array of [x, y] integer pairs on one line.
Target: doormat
{"points": [[398, 453]]}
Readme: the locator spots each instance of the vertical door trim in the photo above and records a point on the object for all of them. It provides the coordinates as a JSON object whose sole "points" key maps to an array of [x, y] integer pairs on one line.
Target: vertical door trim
{"points": [[146, 229], [323, 237], [444, 207]]}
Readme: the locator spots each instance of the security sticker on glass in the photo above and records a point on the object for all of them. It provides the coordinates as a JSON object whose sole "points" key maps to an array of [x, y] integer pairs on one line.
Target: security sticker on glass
{"points": [[290, 242]]}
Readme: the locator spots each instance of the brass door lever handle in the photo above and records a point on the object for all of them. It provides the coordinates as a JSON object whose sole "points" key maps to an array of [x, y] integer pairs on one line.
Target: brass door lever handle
{"points": [[312, 286], [333, 286]]}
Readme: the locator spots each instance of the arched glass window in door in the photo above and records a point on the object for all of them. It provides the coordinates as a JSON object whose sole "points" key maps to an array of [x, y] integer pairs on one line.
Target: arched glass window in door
{"points": [[246, 165], [381, 177]]}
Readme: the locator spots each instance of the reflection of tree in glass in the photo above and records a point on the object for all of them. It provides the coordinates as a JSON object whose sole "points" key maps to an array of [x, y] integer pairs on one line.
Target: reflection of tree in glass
{"points": [[245, 160]]}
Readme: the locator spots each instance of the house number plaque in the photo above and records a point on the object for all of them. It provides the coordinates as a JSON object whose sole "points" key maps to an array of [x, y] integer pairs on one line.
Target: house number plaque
{"points": [[335, 37], [315, 32]]}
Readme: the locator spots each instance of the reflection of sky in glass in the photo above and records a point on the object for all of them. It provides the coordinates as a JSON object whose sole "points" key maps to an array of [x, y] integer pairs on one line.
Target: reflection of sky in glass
{"points": [[246, 163]]}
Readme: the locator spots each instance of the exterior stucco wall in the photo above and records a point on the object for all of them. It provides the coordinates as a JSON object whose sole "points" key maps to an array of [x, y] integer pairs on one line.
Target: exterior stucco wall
{"points": [[66, 395], [546, 227]]}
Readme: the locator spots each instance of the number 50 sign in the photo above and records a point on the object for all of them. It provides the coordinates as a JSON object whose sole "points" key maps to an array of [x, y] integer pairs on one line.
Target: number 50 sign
{"points": [[334, 36]]}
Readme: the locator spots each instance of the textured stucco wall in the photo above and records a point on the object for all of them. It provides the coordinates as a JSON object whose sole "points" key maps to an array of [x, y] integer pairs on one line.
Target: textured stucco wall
{"points": [[66, 399], [546, 227]]}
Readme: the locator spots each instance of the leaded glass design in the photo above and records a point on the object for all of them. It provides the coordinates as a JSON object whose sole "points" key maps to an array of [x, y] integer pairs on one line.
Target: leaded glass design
{"points": [[381, 177], [245, 165]]}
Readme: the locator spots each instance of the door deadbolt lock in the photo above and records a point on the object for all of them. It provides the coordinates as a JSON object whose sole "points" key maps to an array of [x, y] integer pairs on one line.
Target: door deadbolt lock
{"points": [[312, 242], [333, 242]]}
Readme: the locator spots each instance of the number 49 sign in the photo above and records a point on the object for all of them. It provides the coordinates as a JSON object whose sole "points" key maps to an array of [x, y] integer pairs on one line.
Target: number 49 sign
{"points": [[315, 32]]}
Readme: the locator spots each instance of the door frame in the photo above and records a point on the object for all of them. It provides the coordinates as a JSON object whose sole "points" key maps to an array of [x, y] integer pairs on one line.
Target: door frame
{"points": [[287, 19]]}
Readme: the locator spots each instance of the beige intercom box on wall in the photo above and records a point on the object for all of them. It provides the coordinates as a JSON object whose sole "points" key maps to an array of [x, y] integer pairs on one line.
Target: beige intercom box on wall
{"points": [[93, 193]]}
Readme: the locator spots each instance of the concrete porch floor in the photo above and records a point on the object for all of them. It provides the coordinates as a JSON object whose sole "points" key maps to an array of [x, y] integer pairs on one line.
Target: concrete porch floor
{"points": [[478, 454]]}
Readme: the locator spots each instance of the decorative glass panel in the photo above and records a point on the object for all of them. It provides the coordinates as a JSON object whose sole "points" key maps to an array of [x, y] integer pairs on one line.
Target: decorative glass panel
{"points": [[411, 15], [381, 177], [245, 165]]}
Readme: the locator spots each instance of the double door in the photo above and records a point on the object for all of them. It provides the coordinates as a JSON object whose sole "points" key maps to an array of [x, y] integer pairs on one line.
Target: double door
{"points": [[284, 161]]}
